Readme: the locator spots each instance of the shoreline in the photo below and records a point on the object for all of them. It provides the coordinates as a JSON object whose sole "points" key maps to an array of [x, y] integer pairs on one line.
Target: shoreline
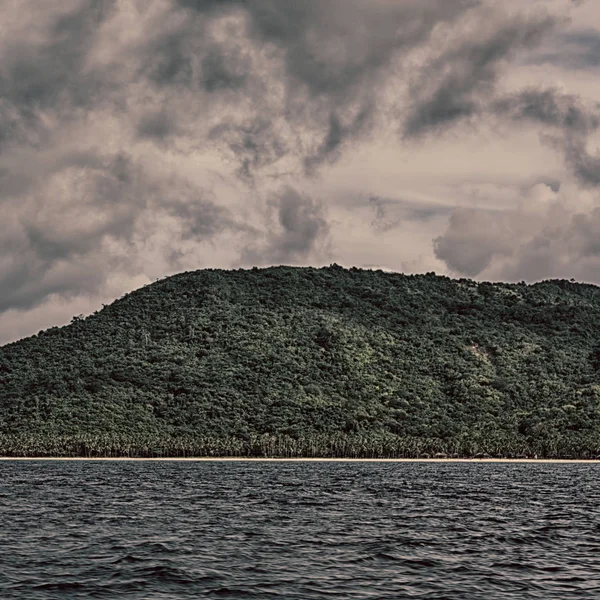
{"points": [[281, 460]]}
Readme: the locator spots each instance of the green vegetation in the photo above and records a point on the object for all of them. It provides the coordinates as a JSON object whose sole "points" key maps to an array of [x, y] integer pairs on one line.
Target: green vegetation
{"points": [[313, 362]]}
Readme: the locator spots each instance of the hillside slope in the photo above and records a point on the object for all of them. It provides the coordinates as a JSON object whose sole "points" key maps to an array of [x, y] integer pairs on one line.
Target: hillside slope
{"points": [[319, 362]]}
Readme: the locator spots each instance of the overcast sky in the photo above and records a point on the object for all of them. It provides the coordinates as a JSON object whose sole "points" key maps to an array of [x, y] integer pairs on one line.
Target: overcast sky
{"points": [[140, 138]]}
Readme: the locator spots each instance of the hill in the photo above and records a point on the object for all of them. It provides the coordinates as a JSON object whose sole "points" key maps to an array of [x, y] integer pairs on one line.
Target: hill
{"points": [[313, 362]]}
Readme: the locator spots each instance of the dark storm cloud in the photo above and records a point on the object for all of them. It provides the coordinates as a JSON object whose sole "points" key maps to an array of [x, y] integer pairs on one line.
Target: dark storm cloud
{"points": [[157, 125], [200, 216], [302, 225], [222, 70], [584, 165], [570, 119], [455, 85], [304, 80], [472, 239], [551, 108], [578, 49], [337, 135], [41, 72], [331, 46], [553, 184], [255, 143], [334, 57], [298, 228], [167, 62]]}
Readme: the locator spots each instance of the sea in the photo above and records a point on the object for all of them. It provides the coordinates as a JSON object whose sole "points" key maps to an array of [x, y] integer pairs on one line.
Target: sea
{"points": [[168, 530]]}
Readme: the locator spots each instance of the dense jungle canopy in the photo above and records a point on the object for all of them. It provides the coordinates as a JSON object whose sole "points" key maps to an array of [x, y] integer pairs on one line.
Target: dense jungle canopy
{"points": [[290, 361]]}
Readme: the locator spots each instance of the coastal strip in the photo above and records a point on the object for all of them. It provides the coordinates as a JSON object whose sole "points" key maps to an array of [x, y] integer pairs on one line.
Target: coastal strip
{"points": [[282, 460]]}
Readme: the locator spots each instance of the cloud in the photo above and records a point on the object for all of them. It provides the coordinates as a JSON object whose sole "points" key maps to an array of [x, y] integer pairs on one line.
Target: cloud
{"points": [[547, 235], [297, 230], [254, 143], [472, 239], [338, 134], [549, 107], [279, 79], [389, 213], [42, 65], [570, 120], [156, 125], [584, 165], [455, 83], [70, 232], [46, 256], [577, 49]]}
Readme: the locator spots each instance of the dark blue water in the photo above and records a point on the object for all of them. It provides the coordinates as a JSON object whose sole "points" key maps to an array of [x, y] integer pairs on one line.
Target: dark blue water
{"points": [[171, 530]]}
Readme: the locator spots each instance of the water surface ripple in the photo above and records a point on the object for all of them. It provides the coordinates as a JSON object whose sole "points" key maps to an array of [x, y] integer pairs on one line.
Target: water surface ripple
{"points": [[178, 530]]}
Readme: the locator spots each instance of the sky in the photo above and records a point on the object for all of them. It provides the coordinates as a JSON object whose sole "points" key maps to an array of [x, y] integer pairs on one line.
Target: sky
{"points": [[141, 138]]}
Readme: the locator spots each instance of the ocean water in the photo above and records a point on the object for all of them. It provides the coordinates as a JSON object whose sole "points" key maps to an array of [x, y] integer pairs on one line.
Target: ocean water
{"points": [[178, 530]]}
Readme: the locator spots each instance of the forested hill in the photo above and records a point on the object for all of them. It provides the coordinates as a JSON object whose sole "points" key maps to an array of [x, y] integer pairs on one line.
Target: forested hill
{"points": [[314, 362]]}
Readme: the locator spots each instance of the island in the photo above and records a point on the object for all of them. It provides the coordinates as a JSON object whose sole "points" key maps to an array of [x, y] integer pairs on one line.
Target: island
{"points": [[313, 362]]}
